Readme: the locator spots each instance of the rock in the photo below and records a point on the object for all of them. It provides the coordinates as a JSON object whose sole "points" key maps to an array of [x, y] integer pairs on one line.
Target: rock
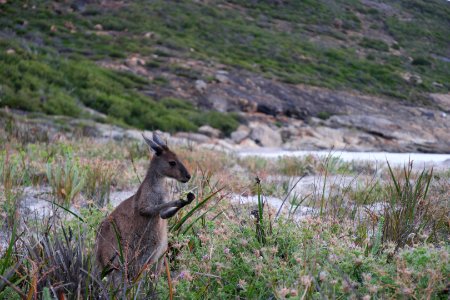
{"points": [[246, 105], [110, 132], [150, 35], [442, 100], [10, 51], [437, 84], [338, 23], [195, 137], [221, 76], [69, 25], [287, 133], [209, 131], [267, 109], [333, 137], [135, 61], [265, 136], [225, 144], [412, 78], [240, 134], [248, 143], [371, 124], [200, 86], [135, 134], [218, 102], [98, 27]]}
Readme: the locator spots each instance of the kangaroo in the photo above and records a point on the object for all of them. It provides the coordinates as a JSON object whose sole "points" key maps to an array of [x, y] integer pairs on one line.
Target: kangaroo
{"points": [[139, 223]]}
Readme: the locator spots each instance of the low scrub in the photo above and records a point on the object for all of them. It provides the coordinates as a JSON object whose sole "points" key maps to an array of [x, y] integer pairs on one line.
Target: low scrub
{"points": [[55, 85]]}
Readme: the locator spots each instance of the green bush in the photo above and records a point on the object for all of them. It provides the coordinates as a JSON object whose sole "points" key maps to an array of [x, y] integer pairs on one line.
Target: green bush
{"points": [[58, 86], [374, 44], [421, 61]]}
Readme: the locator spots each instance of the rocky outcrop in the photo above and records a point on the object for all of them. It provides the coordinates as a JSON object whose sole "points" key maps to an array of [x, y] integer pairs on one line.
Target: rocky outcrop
{"points": [[209, 131], [265, 136], [339, 119], [300, 116], [240, 134]]}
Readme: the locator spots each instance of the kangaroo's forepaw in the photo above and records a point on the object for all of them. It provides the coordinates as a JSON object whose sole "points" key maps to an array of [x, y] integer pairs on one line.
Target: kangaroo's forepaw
{"points": [[190, 197]]}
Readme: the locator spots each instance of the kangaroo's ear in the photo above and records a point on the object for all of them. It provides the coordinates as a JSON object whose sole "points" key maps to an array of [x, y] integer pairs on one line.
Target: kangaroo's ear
{"points": [[158, 140], [154, 146]]}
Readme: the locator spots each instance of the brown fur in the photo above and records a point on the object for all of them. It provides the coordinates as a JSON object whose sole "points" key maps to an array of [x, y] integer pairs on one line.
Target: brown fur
{"points": [[140, 221]]}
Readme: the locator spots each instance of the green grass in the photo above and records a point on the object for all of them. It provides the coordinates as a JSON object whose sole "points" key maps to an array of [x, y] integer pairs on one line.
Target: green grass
{"points": [[374, 44]]}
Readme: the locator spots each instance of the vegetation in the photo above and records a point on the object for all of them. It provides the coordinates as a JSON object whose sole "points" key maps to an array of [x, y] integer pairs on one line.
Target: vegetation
{"points": [[43, 83], [377, 239], [48, 51]]}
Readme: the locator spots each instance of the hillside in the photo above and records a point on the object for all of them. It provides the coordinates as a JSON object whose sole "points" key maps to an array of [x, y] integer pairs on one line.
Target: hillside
{"points": [[170, 65]]}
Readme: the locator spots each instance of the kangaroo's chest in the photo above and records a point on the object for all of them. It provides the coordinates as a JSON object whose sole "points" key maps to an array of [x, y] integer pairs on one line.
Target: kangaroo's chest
{"points": [[151, 240]]}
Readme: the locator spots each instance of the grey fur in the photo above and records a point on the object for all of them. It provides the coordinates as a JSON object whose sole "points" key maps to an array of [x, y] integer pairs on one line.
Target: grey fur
{"points": [[140, 220]]}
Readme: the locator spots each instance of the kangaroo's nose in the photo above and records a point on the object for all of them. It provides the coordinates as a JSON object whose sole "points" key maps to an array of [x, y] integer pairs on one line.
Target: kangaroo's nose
{"points": [[188, 176]]}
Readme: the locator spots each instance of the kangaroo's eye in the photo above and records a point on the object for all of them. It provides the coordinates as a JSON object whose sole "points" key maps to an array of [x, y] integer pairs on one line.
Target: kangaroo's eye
{"points": [[172, 163]]}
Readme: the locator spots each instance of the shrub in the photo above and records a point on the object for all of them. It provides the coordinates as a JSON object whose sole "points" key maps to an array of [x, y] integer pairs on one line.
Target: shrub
{"points": [[12, 178], [227, 123], [406, 213], [99, 177], [55, 86], [421, 61], [66, 180], [324, 115], [374, 44]]}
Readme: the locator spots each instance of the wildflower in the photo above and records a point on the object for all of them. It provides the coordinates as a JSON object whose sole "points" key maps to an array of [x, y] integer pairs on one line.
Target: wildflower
{"points": [[306, 280], [283, 292], [367, 277], [176, 245], [323, 275], [226, 251], [345, 286], [373, 288], [242, 284], [333, 258], [205, 257], [217, 232], [186, 275], [258, 269], [358, 261], [257, 253], [244, 242], [407, 291], [204, 238], [444, 255], [366, 297], [293, 293], [220, 266]]}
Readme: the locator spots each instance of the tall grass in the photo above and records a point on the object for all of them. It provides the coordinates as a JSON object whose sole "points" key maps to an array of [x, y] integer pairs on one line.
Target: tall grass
{"points": [[407, 206], [66, 179], [98, 178], [12, 177]]}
